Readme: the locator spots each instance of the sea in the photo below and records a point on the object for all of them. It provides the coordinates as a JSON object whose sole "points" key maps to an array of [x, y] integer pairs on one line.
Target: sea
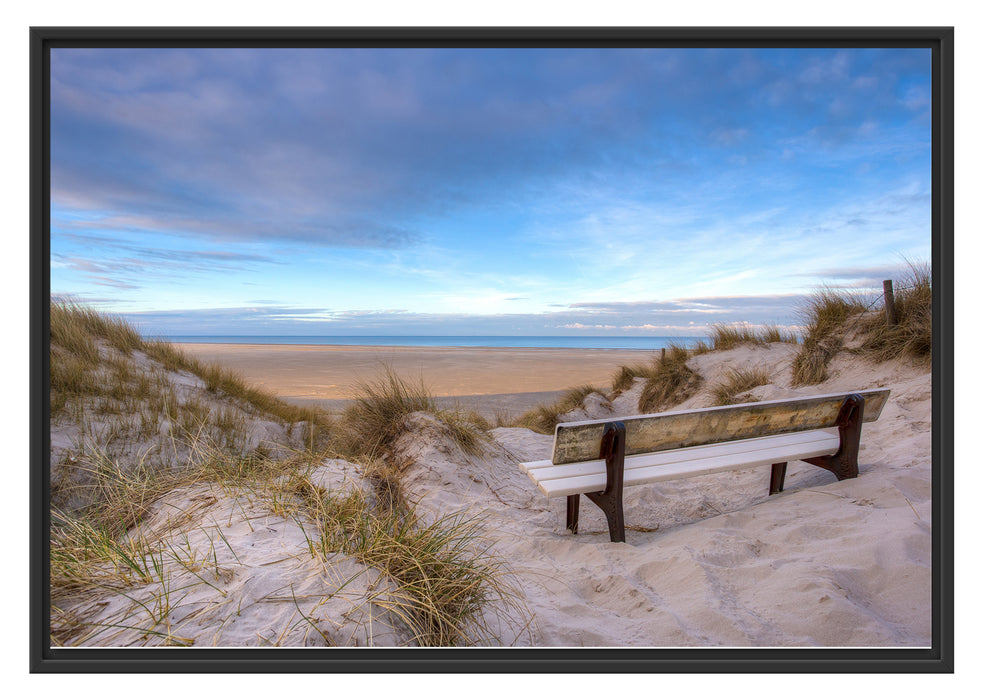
{"points": [[468, 341]]}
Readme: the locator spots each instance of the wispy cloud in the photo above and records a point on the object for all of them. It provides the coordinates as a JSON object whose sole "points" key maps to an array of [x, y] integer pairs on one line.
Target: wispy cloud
{"points": [[742, 304], [856, 273], [864, 279], [688, 317], [119, 263]]}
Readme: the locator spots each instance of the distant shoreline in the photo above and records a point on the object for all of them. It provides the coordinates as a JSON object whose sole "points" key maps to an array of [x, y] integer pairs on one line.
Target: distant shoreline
{"points": [[441, 341], [397, 347]]}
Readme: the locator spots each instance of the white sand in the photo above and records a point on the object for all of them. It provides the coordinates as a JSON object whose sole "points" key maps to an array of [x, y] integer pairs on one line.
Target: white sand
{"points": [[710, 561]]}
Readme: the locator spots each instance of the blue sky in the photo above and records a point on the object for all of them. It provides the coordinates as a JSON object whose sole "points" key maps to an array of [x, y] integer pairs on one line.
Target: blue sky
{"points": [[449, 192]]}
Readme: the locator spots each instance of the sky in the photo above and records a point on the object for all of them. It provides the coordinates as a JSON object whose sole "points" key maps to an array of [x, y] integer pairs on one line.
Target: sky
{"points": [[483, 191]]}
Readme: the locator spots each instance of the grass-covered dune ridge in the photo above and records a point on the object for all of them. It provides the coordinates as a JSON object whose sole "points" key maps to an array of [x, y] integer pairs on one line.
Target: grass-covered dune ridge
{"points": [[166, 470], [95, 355], [118, 398], [835, 320]]}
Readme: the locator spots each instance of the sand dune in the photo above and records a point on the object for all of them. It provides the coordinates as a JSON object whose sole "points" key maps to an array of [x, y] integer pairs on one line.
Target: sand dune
{"points": [[710, 561]]}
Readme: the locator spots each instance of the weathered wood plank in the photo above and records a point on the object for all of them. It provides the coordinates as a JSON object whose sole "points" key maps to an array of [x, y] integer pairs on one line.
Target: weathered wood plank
{"points": [[579, 441]]}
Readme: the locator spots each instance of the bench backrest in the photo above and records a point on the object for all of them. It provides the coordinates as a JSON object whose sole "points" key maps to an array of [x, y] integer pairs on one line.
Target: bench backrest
{"points": [[579, 441]]}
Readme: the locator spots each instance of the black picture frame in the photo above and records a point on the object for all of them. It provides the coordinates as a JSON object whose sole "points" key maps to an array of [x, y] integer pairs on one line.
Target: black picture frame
{"points": [[937, 659]]}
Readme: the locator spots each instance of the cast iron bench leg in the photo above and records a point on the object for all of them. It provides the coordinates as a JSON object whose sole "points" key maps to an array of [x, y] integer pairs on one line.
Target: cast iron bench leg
{"points": [[777, 478], [609, 500], [573, 512], [844, 463]]}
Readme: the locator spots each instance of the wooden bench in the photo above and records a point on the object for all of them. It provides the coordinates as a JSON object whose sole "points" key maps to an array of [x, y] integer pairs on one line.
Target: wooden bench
{"points": [[598, 458]]}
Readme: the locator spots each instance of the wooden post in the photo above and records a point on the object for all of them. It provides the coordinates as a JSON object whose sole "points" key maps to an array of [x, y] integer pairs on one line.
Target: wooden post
{"points": [[662, 359], [889, 310]]}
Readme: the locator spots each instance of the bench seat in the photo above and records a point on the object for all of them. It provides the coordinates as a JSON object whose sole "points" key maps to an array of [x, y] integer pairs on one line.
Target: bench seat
{"points": [[583, 477]]}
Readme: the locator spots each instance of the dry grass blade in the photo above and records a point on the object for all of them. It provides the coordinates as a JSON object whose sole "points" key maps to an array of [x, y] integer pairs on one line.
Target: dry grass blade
{"points": [[376, 419], [774, 334], [825, 315], [100, 365], [468, 429], [911, 337], [544, 418], [87, 557], [726, 337], [735, 387], [626, 375], [671, 383], [74, 327], [445, 575], [121, 494]]}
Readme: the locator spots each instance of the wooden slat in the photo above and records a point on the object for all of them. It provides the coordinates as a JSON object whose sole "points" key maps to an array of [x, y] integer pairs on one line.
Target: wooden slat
{"points": [[527, 466], [579, 441], [809, 441], [827, 439], [652, 467]]}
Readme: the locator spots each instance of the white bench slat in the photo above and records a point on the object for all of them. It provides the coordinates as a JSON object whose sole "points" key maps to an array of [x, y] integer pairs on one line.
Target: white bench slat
{"points": [[682, 463], [545, 469]]}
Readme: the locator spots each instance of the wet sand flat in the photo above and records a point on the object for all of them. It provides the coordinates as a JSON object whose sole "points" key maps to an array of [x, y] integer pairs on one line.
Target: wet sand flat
{"points": [[328, 373]]}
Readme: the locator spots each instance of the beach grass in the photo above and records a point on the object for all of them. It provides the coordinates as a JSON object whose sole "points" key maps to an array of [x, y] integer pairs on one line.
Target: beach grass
{"points": [[445, 576], [668, 378], [100, 368], [91, 548], [444, 572], [832, 316], [467, 428], [544, 418], [627, 374], [825, 315], [739, 381], [728, 336], [774, 334], [75, 328], [910, 338], [671, 382], [376, 418]]}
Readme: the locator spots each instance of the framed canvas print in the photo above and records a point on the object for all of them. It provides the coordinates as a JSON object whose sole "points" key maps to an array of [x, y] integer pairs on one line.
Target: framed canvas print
{"points": [[463, 349]]}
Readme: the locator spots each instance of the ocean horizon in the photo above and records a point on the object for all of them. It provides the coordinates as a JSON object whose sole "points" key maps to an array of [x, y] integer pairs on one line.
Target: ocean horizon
{"points": [[490, 341]]}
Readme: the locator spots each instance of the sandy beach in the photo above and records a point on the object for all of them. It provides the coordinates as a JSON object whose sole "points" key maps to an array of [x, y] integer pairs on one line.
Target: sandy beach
{"points": [[480, 378]]}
